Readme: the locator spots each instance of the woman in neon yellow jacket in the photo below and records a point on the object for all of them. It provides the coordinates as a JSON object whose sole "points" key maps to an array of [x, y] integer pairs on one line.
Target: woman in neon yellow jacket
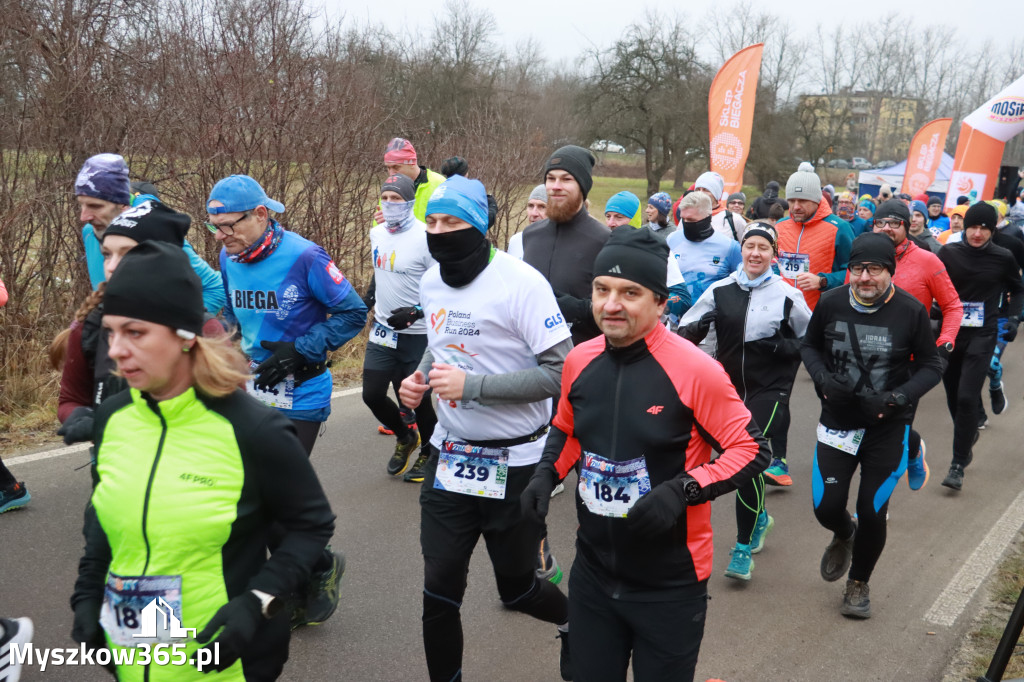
{"points": [[190, 474]]}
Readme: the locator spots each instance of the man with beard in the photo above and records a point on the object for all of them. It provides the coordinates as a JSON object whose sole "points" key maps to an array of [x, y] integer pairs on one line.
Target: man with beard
{"points": [[870, 351], [496, 343], [981, 271]]}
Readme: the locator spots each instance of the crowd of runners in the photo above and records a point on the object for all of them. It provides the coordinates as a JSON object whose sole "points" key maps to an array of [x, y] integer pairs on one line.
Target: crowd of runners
{"points": [[646, 359]]}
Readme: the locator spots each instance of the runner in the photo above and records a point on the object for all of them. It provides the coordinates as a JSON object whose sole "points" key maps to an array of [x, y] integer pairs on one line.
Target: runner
{"points": [[762, 204], [292, 305], [956, 224], [185, 448], [759, 319], [704, 256], [919, 231], [813, 244], [921, 274], [13, 631], [400, 159], [495, 347], [658, 208], [723, 221], [981, 271], [871, 353], [536, 210], [937, 222], [736, 202], [13, 493], [639, 411], [400, 257]]}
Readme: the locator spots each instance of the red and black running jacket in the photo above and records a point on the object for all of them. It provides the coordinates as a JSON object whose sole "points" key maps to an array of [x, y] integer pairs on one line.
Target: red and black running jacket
{"points": [[666, 400]]}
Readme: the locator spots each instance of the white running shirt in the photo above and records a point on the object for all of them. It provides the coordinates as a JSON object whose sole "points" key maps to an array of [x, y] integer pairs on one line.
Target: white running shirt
{"points": [[399, 261]]}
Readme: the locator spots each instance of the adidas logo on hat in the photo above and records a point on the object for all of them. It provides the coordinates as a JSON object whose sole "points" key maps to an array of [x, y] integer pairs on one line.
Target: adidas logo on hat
{"points": [[616, 270]]}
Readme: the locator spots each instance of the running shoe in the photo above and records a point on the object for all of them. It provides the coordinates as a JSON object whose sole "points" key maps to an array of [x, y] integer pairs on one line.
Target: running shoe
{"points": [[564, 662], [998, 398], [14, 497], [741, 564], [560, 488], [917, 469], [855, 600], [384, 431], [404, 448], [955, 478], [325, 590], [416, 474], [778, 473], [13, 631], [983, 423], [547, 564], [764, 524], [835, 562], [408, 418]]}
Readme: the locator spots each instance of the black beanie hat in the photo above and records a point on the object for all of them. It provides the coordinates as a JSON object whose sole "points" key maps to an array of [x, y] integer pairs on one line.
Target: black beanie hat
{"points": [[893, 208], [577, 161], [874, 247], [142, 187], [151, 221], [981, 215], [456, 165], [155, 282], [400, 185], [637, 255]]}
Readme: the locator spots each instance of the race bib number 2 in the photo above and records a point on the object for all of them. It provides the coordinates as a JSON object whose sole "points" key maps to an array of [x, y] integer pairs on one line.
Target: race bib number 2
{"points": [[611, 488], [974, 314], [472, 470]]}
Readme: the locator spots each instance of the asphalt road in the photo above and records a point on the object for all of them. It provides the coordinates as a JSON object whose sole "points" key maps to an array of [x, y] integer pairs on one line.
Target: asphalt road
{"points": [[783, 625]]}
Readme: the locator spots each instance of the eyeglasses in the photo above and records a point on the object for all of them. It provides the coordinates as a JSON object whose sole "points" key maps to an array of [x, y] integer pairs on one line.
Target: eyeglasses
{"points": [[228, 229], [874, 269], [890, 224]]}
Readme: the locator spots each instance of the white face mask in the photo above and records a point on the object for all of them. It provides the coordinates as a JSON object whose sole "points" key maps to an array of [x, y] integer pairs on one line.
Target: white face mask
{"points": [[396, 213]]}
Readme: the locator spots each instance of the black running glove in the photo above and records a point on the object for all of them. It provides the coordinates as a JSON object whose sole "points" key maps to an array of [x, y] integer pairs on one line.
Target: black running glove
{"points": [[239, 619], [943, 357], [659, 510], [275, 369], [878, 405], [695, 332], [537, 495], [1010, 330], [86, 628], [77, 428], [574, 309], [403, 318], [834, 386]]}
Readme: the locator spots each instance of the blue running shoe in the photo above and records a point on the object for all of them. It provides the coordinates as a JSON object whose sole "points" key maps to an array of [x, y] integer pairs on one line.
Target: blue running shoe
{"points": [[14, 497], [764, 524], [778, 473], [741, 564], [917, 469]]}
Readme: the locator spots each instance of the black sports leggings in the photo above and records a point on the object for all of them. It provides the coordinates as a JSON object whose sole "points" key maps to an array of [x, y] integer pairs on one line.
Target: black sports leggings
{"points": [[963, 381], [882, 458], [771, 412], [6, 477]]}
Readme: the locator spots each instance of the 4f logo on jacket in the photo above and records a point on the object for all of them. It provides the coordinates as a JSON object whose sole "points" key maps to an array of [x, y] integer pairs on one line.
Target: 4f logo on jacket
{"points": [[655, 409]]}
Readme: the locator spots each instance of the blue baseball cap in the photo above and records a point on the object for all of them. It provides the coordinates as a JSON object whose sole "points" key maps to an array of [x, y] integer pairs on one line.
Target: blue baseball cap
{"points": [[240, 193], [463, 198]]}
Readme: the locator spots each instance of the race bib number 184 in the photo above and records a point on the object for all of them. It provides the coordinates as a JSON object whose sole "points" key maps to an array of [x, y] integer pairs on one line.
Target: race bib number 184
{"points": [[611, 488]]}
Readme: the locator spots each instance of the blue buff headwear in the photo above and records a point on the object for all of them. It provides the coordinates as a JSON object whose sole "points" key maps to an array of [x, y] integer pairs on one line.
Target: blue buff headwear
{"points": [[623, 203], [463, 198]]}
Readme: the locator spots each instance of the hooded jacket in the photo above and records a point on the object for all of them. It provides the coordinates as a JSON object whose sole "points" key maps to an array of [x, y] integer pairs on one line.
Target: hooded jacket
{"points": [[826, 239]]}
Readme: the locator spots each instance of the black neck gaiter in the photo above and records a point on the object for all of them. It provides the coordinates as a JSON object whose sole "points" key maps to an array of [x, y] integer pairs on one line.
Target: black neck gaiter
{"points": [[698, 231], [462, 255]]}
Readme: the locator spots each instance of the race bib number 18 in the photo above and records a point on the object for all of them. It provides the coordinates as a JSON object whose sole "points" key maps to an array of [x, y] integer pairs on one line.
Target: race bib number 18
{"points": [[612, 488], [128, 601], [472, 470]]}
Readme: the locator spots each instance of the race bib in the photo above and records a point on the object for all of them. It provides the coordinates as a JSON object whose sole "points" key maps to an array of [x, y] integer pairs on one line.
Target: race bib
{"points": [[793, 264], [611, 488], [382, 336], [848, 441], [142, 609], [280, 396], [974, 314], [472, 470]]}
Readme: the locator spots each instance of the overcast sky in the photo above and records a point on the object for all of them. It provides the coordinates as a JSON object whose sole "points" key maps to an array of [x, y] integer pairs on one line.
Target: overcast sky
{"points": [[566, 28]]}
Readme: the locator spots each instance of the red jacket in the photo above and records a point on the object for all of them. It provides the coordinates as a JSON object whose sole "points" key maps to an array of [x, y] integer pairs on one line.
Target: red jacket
{"points": [[666, 401]]}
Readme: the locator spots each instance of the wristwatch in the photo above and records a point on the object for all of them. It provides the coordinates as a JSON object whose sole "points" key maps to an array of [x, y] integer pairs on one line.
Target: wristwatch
{"points": [[692, 491], [948, 346], [899, 400], [270, 605], [822, 282]]}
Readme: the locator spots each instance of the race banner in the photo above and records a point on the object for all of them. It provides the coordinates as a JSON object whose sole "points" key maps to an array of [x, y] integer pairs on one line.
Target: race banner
{"points": [[924, 156], [983, 135], [731, 115]]}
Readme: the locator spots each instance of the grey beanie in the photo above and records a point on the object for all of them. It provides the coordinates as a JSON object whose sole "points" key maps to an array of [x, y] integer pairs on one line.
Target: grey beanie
{"points": [[804, 185], [539, 193], [737, 196]]}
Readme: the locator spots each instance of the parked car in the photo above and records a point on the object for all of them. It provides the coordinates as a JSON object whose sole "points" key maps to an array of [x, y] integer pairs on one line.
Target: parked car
{"points": [[885, 164], [838, 163], [607, 146], [860, 163]]}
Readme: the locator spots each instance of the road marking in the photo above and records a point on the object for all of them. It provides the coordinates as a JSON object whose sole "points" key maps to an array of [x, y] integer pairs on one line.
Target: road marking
{"points": [[80, 447], [953, 600]]}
